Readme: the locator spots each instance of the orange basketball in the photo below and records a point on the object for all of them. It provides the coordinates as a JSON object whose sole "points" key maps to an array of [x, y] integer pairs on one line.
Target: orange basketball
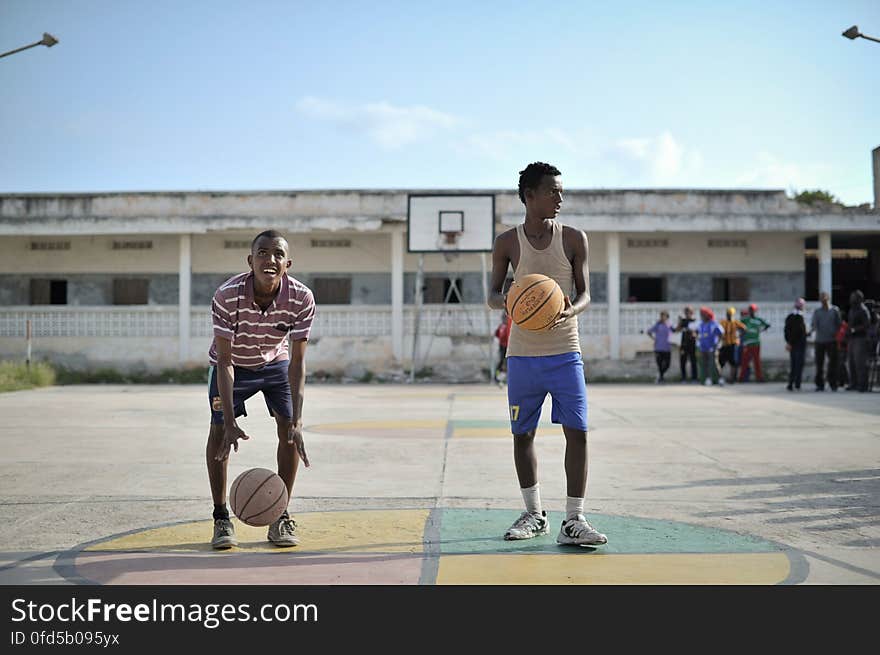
{"points": [[258, 497], [534, 301]]}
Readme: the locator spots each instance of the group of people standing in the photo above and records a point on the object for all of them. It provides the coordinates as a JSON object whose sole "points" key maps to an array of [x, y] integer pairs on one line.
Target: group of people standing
{"points": [[843, 346], [846, 345], [709, 346]]}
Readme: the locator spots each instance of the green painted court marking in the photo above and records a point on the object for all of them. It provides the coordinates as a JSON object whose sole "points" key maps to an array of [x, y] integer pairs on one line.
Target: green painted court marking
{"points": [[482, 530]]}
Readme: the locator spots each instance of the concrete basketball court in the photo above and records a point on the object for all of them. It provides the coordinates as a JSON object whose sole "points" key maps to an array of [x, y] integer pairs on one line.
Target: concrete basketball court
{"points": [[747, 484]]}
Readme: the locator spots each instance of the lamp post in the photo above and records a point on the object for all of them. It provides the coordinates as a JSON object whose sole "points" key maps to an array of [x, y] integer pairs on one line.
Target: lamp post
{"points": [[48, 40], [853, 33]]}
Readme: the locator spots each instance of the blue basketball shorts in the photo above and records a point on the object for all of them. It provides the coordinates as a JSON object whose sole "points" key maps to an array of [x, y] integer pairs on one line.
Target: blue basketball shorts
{"points": [[530, 379], [272, 380]]}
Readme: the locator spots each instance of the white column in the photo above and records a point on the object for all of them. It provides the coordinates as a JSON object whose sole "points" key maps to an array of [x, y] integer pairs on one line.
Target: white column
{"points": [[825, 262], [613, 286], [185, 285], [397, 295]]}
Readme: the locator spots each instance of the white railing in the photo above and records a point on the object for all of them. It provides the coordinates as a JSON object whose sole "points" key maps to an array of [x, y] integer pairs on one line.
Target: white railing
{"points": [[339, 320], [638, 317], [89, 321]]}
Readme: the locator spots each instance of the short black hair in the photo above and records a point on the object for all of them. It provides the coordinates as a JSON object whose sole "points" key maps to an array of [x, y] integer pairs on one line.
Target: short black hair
{"points": [[530, 177], [271, 234]]}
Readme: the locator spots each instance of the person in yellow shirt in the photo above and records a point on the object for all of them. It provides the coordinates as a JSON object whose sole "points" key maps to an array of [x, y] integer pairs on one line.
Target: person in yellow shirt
{"points": [[729, 341]]}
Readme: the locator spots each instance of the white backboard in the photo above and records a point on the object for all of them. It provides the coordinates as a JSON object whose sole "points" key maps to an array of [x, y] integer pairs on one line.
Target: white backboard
{"points": [[430, 216]]}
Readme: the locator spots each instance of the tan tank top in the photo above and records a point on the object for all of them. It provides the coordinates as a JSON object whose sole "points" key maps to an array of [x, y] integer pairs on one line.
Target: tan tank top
{"points": [[552, 262]]}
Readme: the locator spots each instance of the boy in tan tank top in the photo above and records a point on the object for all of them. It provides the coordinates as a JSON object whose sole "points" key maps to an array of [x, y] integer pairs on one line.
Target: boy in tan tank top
{"points": [[549, 361]]}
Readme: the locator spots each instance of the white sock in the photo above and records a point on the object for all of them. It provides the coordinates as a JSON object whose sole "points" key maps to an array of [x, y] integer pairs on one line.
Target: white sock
{"points": [[573, 507], [532, 498]]}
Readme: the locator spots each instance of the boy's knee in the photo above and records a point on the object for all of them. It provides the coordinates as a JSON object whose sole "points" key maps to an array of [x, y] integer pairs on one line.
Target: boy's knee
{"points": [[283, 425], [524, 440]]}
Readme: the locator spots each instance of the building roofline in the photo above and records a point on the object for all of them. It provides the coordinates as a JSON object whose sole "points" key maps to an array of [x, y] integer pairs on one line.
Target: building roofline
{"points": [[283, 192]]}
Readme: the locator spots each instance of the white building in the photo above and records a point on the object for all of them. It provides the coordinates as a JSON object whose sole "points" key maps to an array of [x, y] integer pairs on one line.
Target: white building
{"points": [[124, 279]]}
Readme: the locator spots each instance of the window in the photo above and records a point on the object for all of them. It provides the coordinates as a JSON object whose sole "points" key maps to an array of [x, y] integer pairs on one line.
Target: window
{"points": [[647, 243], [730, 288], [647, 289], [727, 243], [331, 243], [133, 245], [128, 291], [332, 290], [439, 290], [48, 292], [50, 245]]}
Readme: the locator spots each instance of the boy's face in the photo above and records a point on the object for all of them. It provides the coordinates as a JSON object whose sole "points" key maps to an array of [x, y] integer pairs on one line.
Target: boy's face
{"points": [[269, 260], [546, 199]]}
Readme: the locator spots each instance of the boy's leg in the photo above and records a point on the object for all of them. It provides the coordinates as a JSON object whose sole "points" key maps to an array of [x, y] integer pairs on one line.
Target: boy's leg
{"points": [[282, 532], [759, 377], [576, 462], [525, 460], [216, 469], [525, 398], [569, 392], [287, 455]]}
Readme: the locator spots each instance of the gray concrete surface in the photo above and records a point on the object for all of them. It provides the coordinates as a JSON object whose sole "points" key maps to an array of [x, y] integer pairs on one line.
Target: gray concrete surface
{"points": [[800, 469]]}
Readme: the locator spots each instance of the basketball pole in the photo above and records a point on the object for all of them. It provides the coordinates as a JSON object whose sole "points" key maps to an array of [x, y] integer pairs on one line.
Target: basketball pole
{"points": [[488, 314], [420, 274]]}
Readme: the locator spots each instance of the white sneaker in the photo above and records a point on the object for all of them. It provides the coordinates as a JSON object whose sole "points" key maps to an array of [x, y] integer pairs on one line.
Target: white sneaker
{"points": [[708, 382], [578, 531], [528, 525], [720, 382]]}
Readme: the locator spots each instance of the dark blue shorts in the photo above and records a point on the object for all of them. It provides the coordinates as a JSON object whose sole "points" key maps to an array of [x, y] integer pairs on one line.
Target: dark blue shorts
{"points": [[272, 380], [530, 379]]}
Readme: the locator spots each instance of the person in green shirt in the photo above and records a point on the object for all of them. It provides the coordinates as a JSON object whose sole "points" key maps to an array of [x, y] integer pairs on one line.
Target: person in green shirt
{"points": [[751, 342]]}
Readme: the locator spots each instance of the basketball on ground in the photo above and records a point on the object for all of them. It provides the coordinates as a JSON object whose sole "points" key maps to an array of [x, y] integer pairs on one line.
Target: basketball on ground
{"points": [[534, 301], [258, 497]]}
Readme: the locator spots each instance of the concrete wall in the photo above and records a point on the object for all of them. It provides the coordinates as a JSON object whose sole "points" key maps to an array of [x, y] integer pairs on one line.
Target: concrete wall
{"points": [[687, 253], [90, 289]]}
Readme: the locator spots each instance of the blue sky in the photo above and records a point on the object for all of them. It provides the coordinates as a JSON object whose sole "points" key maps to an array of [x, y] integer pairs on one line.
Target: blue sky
{"points": [[292, 95]]}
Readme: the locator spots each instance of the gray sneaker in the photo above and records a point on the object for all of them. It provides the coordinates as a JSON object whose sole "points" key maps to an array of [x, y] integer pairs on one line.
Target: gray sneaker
{"points": [[224, 535], [528, 525], [282, 533], [577, 531]]}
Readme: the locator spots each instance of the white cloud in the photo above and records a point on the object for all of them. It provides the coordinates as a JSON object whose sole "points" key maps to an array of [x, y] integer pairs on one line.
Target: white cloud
{"points": [[658, 160], [388, 125]]}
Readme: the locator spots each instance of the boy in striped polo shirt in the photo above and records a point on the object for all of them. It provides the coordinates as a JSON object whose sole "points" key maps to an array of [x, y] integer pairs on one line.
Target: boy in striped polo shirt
{"points": [[262, 321]]}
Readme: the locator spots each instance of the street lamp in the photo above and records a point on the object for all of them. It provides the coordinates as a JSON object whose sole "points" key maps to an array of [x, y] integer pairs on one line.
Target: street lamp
{"points": [[48, 40], [853, 33]]}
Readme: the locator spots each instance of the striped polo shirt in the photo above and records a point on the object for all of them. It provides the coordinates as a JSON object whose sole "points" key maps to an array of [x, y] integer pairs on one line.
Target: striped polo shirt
{"points": [[258, 337]]}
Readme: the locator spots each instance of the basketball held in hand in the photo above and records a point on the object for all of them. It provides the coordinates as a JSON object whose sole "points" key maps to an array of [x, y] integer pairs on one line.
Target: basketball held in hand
{"points": [[534, 302]]}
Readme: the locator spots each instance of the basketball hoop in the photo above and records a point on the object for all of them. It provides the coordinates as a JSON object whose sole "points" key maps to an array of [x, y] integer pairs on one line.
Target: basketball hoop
{"points": [[448, 244]]}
